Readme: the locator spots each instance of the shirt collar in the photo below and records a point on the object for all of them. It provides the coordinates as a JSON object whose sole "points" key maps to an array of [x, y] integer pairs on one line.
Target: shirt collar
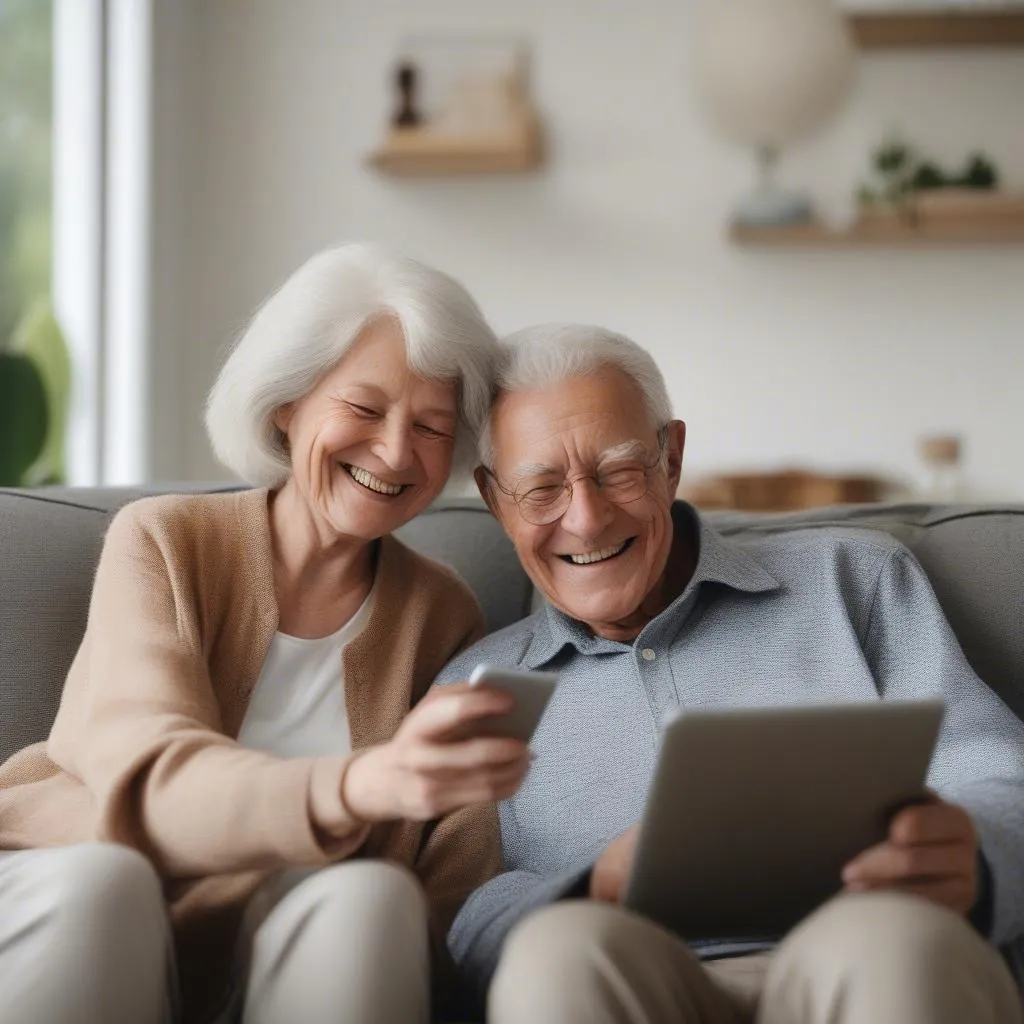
{"points": [[722, 560], [718, 561]]}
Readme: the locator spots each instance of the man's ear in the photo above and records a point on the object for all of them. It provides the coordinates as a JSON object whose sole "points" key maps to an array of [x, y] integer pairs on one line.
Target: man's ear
{"points": [[483, 485], [675, 442]]}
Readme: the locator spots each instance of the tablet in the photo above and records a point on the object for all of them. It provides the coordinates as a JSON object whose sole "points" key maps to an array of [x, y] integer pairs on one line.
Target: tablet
{"points": [[752, 813]]}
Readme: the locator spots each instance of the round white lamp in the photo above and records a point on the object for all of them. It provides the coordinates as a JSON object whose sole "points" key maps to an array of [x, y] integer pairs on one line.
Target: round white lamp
{"points": [[769, 72]]}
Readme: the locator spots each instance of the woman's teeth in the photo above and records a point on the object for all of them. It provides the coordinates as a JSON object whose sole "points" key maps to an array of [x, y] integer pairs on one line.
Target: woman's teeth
{"points": [[596, 556], [373, 483]]}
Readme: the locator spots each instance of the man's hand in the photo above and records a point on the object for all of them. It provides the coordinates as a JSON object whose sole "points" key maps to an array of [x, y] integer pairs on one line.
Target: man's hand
{"points": [[612, 868], [932, 850], [428, 769]]}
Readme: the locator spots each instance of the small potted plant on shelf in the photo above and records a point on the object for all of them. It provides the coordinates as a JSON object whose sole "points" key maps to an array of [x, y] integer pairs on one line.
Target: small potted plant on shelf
{"points": [[912, 188]]}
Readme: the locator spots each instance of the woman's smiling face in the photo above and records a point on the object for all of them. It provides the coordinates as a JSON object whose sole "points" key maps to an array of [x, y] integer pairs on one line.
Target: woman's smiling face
{"points": [[371, 444]]}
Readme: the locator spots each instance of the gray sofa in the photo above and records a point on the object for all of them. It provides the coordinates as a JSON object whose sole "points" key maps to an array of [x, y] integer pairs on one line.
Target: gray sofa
{"points": [[50, 541]]}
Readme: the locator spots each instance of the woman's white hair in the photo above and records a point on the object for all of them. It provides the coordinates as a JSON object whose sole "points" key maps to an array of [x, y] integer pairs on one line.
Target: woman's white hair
{"points": [[538, 356], [310, 322]]}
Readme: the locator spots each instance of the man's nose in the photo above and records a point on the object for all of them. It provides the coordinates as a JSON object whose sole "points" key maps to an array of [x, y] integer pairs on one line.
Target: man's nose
{"points": [[589, 511]]}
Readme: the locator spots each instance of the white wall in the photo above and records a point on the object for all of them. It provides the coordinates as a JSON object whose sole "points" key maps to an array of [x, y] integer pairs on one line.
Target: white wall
{"points": [[832, 359]]}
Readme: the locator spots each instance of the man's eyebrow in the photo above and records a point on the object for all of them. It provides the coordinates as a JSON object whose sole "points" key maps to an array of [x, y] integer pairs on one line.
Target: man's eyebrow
{"points": [[621, 450], [534, 469], [618, 451]]}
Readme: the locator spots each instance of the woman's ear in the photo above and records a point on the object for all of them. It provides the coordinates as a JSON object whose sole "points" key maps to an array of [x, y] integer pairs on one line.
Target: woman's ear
{"points": [[283, 417]]}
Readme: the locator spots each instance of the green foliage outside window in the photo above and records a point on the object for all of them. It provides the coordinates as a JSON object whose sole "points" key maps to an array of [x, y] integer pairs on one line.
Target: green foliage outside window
{"points": [[34, 370]]}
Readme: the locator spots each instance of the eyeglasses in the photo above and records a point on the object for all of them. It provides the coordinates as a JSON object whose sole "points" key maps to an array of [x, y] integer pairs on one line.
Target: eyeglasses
{"points": [[620, 481]]}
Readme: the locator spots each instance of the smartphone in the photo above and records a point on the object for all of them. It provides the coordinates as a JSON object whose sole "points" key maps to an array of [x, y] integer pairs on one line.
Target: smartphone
{"points": [[530, 690]]}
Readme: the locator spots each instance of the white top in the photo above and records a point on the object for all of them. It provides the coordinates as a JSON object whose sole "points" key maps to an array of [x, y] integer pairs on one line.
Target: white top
{"points": [[297, 708]]}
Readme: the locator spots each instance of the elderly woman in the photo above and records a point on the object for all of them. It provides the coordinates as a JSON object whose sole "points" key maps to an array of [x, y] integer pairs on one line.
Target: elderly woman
{"points": [[235, 747]]}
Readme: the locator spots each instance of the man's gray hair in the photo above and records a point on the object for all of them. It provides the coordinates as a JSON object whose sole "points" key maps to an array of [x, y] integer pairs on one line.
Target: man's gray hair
{"points": [[310, 322], [547, 353]]}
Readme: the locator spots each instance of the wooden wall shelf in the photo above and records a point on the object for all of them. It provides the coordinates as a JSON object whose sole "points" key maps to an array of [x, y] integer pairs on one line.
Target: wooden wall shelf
{"points": [[892, 234], [414, 152], [950, 28], [951, 216]]}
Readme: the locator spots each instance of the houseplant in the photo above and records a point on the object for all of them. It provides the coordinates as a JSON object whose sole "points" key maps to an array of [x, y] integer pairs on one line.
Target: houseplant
{"points": [[24, 416], [34, 381], [907, 184]]}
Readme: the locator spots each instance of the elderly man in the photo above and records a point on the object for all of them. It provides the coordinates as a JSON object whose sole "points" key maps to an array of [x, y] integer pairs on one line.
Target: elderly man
{"points": [[649, 610]]}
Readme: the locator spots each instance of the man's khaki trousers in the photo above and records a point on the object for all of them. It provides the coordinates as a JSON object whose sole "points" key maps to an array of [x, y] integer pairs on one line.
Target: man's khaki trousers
{"points": [[872, 958]]}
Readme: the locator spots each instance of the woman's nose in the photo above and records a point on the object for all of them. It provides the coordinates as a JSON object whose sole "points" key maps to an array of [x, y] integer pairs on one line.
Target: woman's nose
{"points": [[394, 445]]}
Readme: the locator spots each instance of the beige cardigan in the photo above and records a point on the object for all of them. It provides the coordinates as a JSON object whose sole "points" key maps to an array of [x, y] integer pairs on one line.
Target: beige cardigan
{"points": [[142, 750]]}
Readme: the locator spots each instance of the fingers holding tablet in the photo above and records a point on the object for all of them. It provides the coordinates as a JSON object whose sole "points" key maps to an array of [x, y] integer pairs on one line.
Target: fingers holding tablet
{"points": [[529, 692], [608, 879], [931, 851]]}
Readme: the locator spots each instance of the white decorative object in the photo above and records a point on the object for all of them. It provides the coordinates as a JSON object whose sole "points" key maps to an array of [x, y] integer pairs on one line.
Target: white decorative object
{"points": [[770, 72]]}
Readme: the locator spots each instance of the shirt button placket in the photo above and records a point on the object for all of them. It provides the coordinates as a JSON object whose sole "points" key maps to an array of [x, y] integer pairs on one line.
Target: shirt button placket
{"points": [[657, 682]]}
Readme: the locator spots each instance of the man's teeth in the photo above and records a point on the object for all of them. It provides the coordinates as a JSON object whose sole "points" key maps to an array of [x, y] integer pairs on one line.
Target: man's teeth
{"points": [[367, 479], [597, 556]]}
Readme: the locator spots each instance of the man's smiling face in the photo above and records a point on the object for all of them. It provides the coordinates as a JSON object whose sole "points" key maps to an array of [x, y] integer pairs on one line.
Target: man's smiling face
{"points": [[599, 562]]}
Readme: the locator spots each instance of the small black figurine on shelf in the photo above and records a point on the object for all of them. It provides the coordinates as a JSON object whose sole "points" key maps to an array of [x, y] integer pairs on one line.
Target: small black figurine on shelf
{"points": [[407, 116]]}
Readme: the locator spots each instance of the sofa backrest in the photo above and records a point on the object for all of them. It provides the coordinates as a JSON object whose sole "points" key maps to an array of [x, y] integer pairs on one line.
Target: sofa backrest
{"points": [[50, 541], [49, 547]]}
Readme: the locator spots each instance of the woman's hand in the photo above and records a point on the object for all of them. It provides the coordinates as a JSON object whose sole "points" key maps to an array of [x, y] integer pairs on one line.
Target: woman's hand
{"points": [[426, 770]]}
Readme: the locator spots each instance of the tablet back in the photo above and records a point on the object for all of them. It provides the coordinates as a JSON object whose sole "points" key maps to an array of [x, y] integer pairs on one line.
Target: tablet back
{"points": [[753, 813]]}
